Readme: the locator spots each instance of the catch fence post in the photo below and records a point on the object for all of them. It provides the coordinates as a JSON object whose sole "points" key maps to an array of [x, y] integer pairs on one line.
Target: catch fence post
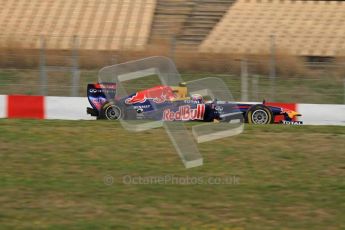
{"points": [[173, 47], [244, 80], [43, 71], [255, 88], [75, 67], [272, 67]]}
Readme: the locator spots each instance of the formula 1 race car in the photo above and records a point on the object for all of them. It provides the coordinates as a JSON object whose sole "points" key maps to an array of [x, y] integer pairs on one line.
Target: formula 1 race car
{"points": [[173, 103]]}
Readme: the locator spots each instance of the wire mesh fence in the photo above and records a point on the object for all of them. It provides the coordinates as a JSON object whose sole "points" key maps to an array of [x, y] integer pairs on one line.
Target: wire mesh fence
{"points": [[286, 89], [274, 77]]}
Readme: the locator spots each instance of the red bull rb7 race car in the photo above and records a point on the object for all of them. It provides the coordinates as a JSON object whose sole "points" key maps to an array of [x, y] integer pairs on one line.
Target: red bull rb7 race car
{"points": [[173, 103]]}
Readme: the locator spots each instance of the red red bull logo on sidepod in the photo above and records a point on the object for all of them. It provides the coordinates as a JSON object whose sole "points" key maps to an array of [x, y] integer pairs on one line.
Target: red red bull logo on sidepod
{"points": [[158, 94], [185, 113]]}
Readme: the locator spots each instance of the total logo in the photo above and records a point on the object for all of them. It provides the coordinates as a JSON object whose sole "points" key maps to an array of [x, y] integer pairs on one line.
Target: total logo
{"points": [[185, 113], [292, 122]]}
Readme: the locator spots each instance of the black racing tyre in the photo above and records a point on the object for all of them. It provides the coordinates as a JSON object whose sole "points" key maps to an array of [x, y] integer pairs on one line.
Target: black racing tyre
{"points": [[110, 111], [259, 114]]}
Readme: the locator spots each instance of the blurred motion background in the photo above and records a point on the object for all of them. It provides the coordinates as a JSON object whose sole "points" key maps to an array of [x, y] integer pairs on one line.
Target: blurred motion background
{"points": [[55, 173], [280, 50]]}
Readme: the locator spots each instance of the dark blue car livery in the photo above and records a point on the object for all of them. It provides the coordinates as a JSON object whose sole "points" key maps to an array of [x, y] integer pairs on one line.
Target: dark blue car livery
{"points": [[172, 103]]}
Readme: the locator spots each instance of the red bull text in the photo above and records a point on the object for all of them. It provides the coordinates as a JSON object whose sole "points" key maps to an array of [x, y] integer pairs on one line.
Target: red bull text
{"points": [[185, 113]]}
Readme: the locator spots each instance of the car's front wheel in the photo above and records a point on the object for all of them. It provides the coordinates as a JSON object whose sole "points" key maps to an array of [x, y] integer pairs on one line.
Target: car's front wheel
{"points": [[259, 114]]}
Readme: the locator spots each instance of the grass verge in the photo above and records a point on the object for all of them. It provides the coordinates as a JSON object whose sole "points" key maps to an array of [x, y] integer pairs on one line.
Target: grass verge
{"points": [[55, 174]]}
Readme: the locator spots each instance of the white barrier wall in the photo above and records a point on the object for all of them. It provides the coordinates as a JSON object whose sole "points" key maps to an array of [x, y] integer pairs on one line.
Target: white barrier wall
{"points": [[3, 106], [74, 108], [322, 114], [67, 108]]}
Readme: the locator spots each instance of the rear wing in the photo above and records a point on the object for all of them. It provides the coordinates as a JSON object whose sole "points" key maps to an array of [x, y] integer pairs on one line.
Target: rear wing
{"points": [[96, 94]]}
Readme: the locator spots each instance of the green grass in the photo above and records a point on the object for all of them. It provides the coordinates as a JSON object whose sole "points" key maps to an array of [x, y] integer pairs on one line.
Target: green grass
{"points": [[323, 89], [52, 176]]}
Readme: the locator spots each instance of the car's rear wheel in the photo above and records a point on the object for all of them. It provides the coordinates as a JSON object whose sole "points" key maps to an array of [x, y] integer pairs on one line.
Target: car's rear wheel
{"points": [[111, 112], [259, 114]]}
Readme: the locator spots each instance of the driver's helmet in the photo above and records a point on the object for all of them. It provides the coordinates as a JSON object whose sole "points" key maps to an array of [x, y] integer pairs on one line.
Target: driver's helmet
{"points": [[198, 98]]}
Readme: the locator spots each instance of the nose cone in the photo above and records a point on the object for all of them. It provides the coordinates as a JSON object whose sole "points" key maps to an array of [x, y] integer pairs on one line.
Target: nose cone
{"points": [[292, 113]]}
